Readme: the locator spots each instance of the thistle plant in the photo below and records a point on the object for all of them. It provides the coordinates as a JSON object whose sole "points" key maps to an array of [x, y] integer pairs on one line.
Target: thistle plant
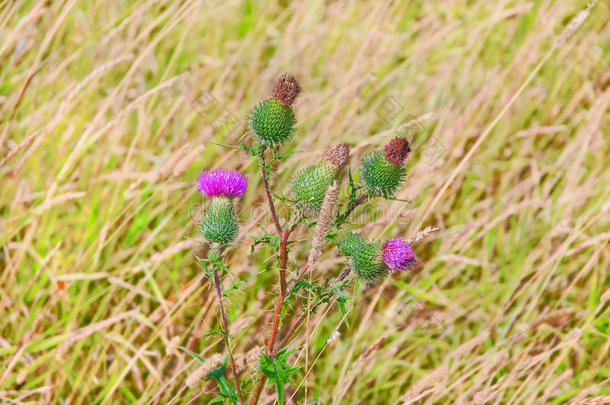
{"points": [[312, 201]]}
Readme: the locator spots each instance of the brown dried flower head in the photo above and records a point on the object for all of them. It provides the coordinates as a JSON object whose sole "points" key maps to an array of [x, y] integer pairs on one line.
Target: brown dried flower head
{"points": [[338, 156], [286, 89], [396, 151]]}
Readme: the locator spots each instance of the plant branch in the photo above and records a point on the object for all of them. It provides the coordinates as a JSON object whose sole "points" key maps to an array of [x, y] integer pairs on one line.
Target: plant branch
{"points": [[225, 331], [355, 205], [276, 220], [284, 235]]}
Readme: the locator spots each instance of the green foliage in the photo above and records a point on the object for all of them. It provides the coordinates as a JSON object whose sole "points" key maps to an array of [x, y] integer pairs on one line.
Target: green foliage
{"points": [[336, 288], [224, 386], [218, 374], [309, 185], [381, 177], [278, 371], [193, 354], [367, 263], [219, 224], [272, 122], [352, 198]]}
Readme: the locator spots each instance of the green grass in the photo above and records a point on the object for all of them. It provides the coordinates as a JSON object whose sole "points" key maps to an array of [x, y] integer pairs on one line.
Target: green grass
{"points": [[99, 284]]}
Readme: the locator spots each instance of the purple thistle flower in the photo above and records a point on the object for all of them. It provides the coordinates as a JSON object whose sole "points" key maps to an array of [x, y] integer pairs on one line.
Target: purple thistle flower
{"points": [[398, 255], [222, 182]]}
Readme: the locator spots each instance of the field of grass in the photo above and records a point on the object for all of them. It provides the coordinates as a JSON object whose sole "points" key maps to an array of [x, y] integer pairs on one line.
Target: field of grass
{"points": [[107, 113]]}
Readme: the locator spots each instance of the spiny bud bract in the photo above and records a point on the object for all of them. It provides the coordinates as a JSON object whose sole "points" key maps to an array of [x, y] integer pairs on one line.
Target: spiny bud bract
{"points": [[309, 185], [350, 243], [219, 224], [286, 89], [381, 177], [367, 263], [272, 122]]}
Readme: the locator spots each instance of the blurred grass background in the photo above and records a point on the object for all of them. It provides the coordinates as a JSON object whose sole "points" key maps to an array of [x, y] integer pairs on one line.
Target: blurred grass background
{"points": [[107, 111]]}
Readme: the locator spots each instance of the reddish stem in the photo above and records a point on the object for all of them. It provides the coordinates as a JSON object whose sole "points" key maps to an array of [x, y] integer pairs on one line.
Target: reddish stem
{"points": [[276, 220], [284, 236], [355, 204]]}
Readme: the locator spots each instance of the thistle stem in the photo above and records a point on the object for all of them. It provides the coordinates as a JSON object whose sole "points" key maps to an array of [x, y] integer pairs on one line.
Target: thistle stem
{"points": [[284, 236], [345, 273], [276, 220], [225, 331], [355, 205]]}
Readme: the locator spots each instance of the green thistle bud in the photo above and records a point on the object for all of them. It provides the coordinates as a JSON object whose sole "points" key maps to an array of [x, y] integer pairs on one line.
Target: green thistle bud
{"points": [[219, 224], [381, 177], [309, 185], [383, 173], [368, 264], [350, 243], [272, 122]]}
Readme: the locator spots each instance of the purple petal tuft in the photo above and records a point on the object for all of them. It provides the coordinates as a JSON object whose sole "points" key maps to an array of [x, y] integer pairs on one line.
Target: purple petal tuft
{"points": [[398, 255], [222, 182]]}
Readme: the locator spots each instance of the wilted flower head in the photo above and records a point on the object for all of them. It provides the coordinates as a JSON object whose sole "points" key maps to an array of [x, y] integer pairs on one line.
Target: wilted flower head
{"points": [[223, 183], [338, 156], [398, 255], [396, 151], [286, 89]]}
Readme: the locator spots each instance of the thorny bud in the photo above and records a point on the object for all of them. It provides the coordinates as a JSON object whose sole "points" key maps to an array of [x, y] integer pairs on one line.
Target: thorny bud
{"points": [[310, 185], [219, 225], [383, 173], [371, 262], [349, 244], [367, 263], [272, 120]]}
